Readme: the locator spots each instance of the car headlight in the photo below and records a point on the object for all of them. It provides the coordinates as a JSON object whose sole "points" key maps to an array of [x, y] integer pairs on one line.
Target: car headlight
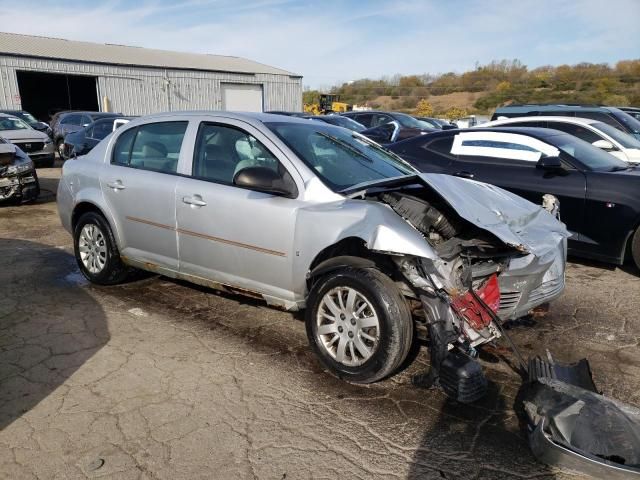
{"points": [[15, 169]]}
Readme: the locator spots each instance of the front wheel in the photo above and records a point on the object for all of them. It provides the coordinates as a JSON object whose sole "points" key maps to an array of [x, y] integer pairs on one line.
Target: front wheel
{"points": [[359, 324], [96, 251]]}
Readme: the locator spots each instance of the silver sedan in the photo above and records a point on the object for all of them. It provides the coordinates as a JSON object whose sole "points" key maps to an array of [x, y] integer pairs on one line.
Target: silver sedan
{"points": [[309, 215], [34, 143]]}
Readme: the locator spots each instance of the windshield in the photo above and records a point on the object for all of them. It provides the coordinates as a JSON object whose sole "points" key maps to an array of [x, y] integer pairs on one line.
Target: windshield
{"points": [[630, 123], [623, 138], [344, 122], [592, 157], [12, 123], [339, 157], [27, 117], [408, 121]]}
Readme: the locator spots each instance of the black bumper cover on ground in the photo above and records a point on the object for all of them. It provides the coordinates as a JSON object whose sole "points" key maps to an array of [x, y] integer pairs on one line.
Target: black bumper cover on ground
{"points": [[572, 426]]}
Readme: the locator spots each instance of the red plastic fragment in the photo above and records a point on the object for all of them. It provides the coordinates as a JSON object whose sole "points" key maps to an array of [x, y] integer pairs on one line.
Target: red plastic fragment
{"points": [[475, 314]]}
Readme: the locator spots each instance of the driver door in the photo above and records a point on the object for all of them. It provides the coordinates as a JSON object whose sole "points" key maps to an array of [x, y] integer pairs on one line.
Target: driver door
{"points": [[232, 235]]}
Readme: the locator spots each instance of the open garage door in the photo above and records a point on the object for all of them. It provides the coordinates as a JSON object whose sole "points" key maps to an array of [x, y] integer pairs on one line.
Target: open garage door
{"points": [[44, 94], [238, 97]]}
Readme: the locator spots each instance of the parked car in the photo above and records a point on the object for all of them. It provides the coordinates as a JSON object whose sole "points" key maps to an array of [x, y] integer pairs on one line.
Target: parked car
{"points": [[602, 135], [30, 120], [36, 144], [599, 194], [609, 115], [436, 123], [308, 215], [633, 111], [340, 121], [388, 127], [65, 122], [18, 178], [82, 141]]}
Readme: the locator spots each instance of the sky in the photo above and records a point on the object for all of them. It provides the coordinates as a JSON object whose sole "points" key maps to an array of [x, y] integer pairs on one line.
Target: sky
{"points": [[329, 42]]}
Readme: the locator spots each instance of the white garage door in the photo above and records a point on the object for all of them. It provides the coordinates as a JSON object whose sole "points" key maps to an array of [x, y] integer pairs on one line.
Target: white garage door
{"points": [[241, 98]]}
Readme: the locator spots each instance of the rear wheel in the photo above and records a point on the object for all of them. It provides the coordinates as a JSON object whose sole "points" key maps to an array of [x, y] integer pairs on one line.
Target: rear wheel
{"points": [[96, 251], [635, 248], [359, 324]]}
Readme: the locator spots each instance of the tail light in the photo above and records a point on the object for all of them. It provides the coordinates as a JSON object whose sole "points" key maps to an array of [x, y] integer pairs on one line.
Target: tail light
{"points": [[469, 308]]}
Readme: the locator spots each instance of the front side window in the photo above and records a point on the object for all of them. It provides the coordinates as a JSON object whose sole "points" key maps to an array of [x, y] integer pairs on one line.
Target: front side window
{"points": [[379, 120], [625, 139], [339, 157], [154, 146], [576, 130], [222, 151]]}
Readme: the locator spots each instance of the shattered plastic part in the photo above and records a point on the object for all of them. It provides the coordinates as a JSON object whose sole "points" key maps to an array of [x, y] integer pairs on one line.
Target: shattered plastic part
{"points": [[572, 426]]}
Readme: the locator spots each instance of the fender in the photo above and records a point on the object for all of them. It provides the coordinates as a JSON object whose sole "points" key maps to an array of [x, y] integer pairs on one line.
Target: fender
{"points": [[335, 263]]}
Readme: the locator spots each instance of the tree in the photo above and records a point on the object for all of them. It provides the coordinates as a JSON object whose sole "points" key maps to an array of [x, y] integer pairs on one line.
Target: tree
{"points": [[423, 109], [455, 113]]}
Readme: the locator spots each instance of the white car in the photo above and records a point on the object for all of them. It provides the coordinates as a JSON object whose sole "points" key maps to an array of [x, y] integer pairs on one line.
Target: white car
{"points": [[599, 134], [34, 143]]}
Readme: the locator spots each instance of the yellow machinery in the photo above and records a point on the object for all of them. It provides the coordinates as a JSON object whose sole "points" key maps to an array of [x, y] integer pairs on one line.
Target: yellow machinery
{"points": [[329, 103]]}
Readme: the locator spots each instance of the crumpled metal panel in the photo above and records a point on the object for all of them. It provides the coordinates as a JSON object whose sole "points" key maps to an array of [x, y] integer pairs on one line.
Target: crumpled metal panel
{"points": [[514, 220]]}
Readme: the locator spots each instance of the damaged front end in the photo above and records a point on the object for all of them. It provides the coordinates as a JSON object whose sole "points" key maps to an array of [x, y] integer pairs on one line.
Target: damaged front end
{"points": [[498, 256], [18, 179]]}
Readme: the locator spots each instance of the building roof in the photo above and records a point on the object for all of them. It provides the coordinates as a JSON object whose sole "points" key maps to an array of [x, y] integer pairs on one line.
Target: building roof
{"points": [[71, 50]]}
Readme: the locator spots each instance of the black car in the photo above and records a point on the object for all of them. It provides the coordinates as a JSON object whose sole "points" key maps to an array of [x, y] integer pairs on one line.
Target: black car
{"points": [[288, 114], [599, 194], [389, 127], [83, 141], [633, 111], [340, 121], [613, 116], [30, 120], [63, 123], [18, 178]]}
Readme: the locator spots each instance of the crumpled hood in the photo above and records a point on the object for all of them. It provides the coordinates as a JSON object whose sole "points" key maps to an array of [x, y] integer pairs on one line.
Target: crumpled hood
{"points": [[514, 220], [24, 134]]}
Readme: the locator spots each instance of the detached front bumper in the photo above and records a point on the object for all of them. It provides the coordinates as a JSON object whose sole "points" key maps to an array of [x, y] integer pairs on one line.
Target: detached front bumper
{"points": [[530, 281]]}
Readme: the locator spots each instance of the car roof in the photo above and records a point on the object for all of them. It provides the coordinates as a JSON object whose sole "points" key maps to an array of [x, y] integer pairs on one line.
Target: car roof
{"points": [[524, 108], [249, 117], [7, 115], [546, 118], [536, 132]]}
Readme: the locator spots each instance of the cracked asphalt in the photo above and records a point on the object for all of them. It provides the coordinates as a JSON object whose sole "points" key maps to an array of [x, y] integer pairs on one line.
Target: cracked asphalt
{"points": [[162, 379]]}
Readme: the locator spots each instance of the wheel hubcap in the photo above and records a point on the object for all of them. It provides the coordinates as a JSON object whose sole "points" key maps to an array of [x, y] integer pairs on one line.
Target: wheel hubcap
{"points": [[348, 326], [93, 248]]}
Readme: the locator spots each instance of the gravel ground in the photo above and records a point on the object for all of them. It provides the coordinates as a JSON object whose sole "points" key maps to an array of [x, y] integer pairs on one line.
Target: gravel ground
{"points": [[162, 379]]}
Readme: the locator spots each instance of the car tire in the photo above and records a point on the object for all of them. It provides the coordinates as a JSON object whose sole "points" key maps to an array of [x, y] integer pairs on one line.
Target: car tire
{"points": [[353, 356], [635, 248], [96, 251]]}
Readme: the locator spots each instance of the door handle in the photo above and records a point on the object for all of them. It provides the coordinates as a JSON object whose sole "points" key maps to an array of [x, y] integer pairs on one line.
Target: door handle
{"points": [[195, 201], [117, 185], [463, 174]]}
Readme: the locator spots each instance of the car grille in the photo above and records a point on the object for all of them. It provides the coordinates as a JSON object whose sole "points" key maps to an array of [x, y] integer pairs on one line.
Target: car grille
{"points": [[29, 147], [508, 301], [546, 289]]}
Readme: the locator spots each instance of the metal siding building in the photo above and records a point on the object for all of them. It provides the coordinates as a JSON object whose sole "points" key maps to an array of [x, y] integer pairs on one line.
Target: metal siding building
{"points": [[135, 81]]}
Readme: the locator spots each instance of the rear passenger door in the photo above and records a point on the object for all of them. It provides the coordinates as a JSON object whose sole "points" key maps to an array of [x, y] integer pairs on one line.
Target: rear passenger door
{"points": [[509, 160], [139, 183]]}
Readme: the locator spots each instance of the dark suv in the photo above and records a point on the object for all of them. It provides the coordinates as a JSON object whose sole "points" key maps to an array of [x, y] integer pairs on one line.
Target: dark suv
{"points": [[66, 122], [610, 115]]}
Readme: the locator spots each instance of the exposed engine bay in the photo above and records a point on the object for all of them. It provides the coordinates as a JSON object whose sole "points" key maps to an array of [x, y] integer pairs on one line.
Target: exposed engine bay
{"points": [[18, 179]]}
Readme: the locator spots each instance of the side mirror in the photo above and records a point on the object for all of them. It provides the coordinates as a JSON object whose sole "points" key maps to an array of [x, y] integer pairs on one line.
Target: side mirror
{"points": [[40, 126], [550, 163], [604, 145], [266, 180]]}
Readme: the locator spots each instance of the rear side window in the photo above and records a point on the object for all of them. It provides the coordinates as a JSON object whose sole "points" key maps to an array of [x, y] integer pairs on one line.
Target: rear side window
{"points": [[441, 145], [71, 120], [497, 144], [154, 146]]}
